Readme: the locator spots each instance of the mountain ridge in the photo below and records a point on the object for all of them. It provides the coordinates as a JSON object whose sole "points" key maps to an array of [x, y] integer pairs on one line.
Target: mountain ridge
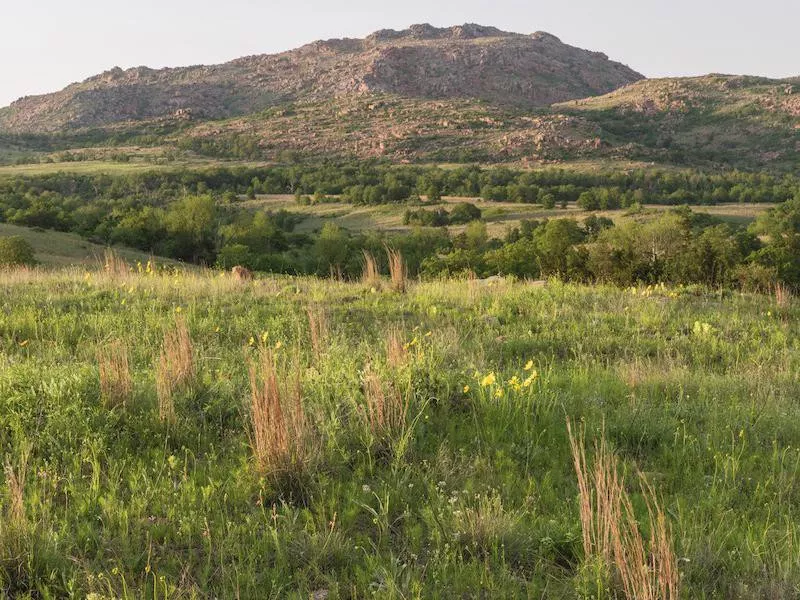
{"points": [[465, 61]]}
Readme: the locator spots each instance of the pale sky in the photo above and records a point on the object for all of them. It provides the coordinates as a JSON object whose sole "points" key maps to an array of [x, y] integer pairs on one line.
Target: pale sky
{"points": [[47, 44]]}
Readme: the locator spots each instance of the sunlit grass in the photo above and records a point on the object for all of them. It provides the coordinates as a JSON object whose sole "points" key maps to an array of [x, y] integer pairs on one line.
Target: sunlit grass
{"points": [[421, 448]]}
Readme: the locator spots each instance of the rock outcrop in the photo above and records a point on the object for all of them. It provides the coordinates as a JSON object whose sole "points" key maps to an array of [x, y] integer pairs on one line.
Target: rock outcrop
{"points": [[423, 62]]}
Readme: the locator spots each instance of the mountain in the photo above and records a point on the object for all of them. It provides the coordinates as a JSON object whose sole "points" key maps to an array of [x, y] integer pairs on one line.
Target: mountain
{"points": [[460, 94], [422, 62]]}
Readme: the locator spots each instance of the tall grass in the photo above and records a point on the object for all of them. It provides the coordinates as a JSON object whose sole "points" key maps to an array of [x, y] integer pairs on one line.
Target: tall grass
{"points": [[114, 265], [175, 371], [397, 270], [116, 385], [612, 540], [396, 349], [370, 275], [386, 410], [15, 520], [318, 329], [280, 434], [783, 295]]}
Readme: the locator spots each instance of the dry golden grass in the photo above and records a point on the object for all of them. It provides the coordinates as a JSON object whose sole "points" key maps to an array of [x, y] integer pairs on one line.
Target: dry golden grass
{"points": [[318, 329], [15, 521], [396, 350], [116, 385], [280, 435], [783, 295], [397, 270], [643, 569], [386, 410], [370, 274], [114, 265], [175, 370]]}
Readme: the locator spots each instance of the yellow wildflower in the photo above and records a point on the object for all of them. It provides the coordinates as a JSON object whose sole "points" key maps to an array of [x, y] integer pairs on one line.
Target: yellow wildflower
{"points": [[490, 379], [531, 378], [466, 389], [499, 393], [529, 365], [278, 345]]}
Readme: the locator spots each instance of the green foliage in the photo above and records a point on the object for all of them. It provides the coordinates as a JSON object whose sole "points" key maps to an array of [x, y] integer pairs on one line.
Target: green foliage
{"points": [[194, 215], [16, 251]]}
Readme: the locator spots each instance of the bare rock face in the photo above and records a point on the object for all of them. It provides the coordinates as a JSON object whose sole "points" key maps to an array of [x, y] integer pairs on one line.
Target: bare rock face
{"points": [[423, 62]]}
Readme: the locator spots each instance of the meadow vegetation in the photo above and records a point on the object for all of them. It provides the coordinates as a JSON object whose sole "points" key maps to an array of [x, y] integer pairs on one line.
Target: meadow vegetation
{"points": [[173, 434]]}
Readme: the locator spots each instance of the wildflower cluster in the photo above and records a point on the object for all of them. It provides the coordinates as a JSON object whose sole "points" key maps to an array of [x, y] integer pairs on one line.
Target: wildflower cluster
{"points": [[146, 269], [498, 389], [659, 289], [702, 329]]}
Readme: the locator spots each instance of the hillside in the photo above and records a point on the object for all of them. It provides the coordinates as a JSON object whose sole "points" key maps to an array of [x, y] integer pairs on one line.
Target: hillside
{"points": [[457, 95], [714, 121], [729, 119], [468, 61], [59, 249]]}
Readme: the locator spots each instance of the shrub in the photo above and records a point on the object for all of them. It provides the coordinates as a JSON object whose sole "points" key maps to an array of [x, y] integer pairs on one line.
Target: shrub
{"points": [[16, 251], [464, 212]]}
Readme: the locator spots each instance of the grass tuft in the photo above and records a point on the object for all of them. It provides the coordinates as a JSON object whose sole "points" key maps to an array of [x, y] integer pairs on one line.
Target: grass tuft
{"points": [[280, 434], [386, 410], [397, 270], [783, 295], [614, 548], [370, 275], [15, 517], [396, 349], [175, 371], [318, 329], [114, 265], [116, 385]]}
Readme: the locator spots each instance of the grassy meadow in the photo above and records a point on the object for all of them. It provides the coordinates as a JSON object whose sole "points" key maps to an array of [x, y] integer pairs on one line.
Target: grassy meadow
{"points": [[498, 216], [190, 435]]}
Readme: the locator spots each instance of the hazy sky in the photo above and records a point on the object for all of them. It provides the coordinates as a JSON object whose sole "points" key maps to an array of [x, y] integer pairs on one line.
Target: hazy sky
{"points": [[47, 44]]}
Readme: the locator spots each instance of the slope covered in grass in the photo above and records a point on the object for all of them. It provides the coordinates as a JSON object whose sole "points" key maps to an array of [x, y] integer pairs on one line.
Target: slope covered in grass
{"points": [[428, 462], [56, 248]]}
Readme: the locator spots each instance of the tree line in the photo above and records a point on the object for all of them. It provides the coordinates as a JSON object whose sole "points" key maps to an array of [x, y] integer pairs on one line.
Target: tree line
{"points": [[197, 216]]}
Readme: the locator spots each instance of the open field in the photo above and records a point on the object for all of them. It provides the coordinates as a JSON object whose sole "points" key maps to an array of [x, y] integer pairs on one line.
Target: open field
{"points": [[499, 216], [429, 463]]}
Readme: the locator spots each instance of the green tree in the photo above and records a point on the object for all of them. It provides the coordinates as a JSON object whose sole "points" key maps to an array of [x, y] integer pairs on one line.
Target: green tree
{"points": [[464, 212], [16, 251], [192, 226], [781, 228], [331, 248], [556, 251]]}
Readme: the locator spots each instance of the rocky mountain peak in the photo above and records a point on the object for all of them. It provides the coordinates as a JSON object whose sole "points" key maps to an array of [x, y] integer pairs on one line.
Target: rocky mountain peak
{"points": [[465, 62]]}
